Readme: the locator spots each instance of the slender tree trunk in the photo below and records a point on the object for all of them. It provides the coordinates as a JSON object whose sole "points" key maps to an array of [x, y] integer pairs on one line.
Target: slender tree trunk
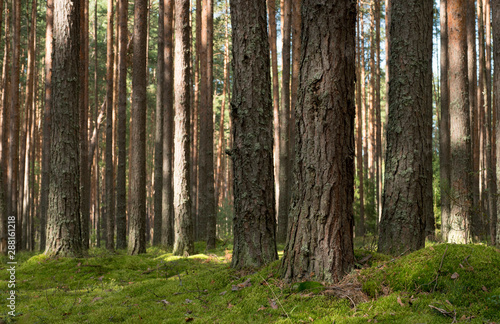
{"points": [[195, 118], [168, 128], [109, 218], [121, 191], [378, 120], [444, 126], [158, 172], [284, 170], [84, 117], [461, 155], [251, 113], [4, 141], [206, 196], [220, 164], [137, 212], [183, 226], [320, 240], [494, 224], [64, 227], [408, 187], [271, 11], [13, 166], [360, 226]]}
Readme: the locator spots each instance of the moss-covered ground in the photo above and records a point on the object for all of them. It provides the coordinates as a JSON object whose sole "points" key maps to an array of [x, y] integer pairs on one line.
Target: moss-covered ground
{"points": [[442, 283]]}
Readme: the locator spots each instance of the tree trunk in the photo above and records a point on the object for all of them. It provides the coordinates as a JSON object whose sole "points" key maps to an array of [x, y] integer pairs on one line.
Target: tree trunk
{"points": [[4, 142], [360, 226], [284, 170], [252, 113], [495, 226], [13, 166], [183, 226], [444, 126], [121, 191], [296, 42], [158, 172], [461, 155], [408, 187], [206, 196], [137, 212], [64, 227], [271, 11], [168, 128], [320, 241]]}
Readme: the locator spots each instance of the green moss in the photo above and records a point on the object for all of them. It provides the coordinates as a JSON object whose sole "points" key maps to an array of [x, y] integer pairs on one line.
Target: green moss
{"points": [[159, 288]]}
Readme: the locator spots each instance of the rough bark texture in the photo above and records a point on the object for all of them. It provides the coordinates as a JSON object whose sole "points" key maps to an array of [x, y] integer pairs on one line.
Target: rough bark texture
{"points": [[4, 144], [184, 240], [284, 170], [121, 191], [64, 228], [44, 194], [444, 126], [137, 212], [407, 200], [320, 241], [460, 146], [252, 152], [296, 43], [168, 129], [84, 121], [158, 167], [495, 6]]}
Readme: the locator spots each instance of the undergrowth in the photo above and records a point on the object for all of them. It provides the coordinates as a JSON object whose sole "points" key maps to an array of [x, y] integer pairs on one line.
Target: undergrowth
{"points": [[440, 284]]}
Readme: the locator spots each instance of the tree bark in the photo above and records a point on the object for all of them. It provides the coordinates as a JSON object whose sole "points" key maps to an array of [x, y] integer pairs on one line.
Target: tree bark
{"points": [[407, 197], [137, 212], [183, 226], [461, 155], [64, 227], [320, 240], [252, 152], [168, 128]]}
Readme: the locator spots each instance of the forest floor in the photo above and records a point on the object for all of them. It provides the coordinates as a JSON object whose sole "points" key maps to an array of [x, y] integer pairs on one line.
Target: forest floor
{"points": [[442, 283]]}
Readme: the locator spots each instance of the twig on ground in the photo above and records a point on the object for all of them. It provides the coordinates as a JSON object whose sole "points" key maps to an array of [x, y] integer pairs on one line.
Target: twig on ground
{"points": [[276, 297]]}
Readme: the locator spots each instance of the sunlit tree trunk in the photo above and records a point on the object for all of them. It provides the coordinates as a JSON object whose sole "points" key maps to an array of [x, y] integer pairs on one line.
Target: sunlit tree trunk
{"points": [[137, 212], [64, 227]]}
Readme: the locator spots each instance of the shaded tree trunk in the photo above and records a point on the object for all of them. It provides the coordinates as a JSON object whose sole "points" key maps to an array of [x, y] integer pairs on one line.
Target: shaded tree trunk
{"points": [[109, 218], [158, 167], [64, 227], [495, 6], [296, 43], [183, 222], [252, 113], [320, 241], [461, 155], [168, 128], [408, 187], [121, 191]]}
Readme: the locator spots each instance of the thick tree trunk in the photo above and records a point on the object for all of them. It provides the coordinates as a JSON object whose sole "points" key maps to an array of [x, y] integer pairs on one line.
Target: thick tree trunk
{"points": [[252, 152], [4, 143], [183, 226], [408, 187], [320, 241], [137, 212], [461, 155], [284, 170], [158, 167], [121, 191], [64, 227], [168, 129], [296, 43]]}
